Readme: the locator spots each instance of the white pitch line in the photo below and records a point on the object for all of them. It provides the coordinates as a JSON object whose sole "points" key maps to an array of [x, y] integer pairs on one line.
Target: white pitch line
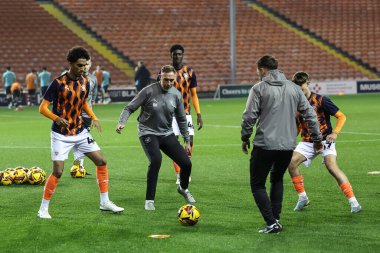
{"points": [[222, 145], [353, 133], [373, 140], [356, 133], [111, 147], [222, 126]]}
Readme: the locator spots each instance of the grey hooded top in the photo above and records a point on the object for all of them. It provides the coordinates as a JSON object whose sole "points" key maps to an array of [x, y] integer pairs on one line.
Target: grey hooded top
{"points": [[273, 103], [158, 107], [92, 93]]}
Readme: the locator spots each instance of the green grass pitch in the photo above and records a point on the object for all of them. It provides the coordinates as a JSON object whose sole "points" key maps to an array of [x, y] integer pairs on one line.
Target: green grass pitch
{"points": [[220, 183]]}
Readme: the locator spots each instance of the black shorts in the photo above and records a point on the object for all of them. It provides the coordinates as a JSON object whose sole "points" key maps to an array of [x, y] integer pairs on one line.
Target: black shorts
{"points": [[8, 90], [43, 90], [105, 88], [87, 123], [16, 93], [31, 92]]}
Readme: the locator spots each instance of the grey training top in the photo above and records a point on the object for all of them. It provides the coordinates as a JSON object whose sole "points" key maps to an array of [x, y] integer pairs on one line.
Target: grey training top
{"points": [[158, 107], [92, 93], [273, 103]]}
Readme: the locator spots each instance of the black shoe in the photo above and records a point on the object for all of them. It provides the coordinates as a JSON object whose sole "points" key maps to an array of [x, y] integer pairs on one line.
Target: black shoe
{"points": [[275, 228], [279, 224], [88, 174]]}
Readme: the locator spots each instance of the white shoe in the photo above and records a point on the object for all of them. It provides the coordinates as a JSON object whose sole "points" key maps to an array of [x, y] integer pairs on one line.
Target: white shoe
{"points": [[189, 179], [43, 214], [149, 205], [356, 209], [110, 206], [186, 194], [301, 204]]}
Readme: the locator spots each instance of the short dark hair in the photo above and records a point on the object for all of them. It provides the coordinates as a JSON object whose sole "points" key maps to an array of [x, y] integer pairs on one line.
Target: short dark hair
{"points": [[76, 53], [267, 62], [168, 69], [8, 67], [177, 47], [44, 68], [300, 78]]}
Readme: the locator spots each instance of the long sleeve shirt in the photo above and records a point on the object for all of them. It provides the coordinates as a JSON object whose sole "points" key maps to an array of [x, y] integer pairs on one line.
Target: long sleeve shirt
{"points": [[158, 107], [273, 103]]}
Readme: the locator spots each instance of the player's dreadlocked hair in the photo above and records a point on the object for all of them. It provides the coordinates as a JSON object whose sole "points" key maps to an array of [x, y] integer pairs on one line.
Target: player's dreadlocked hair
{"points": [[76, 53], [300, 78], [177, 47]]}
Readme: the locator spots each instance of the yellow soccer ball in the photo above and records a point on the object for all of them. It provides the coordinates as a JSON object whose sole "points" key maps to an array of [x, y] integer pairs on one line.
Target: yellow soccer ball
{"points": [[20, 175], [5, 178], [77, 171], [36, 168], [11, 171], [36, 176], [188, 215]]}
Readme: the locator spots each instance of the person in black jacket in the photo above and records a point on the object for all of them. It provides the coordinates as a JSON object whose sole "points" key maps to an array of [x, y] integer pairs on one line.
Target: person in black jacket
{"points": [[142, 77]]}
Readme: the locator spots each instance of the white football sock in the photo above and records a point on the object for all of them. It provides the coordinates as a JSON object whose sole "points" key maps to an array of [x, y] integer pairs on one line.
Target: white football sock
{"points": [[104, 197], [302, 195], [81, 162], [353, 201], [45, 204]]}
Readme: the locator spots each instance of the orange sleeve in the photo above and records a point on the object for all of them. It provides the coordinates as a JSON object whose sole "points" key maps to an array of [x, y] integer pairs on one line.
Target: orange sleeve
{"points": [[194, 98], [341, 120], [44, 110], [88, 110]]}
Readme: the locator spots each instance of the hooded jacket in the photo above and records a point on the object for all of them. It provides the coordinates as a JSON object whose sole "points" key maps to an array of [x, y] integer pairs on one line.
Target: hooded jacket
{"points": [[273, 103]]}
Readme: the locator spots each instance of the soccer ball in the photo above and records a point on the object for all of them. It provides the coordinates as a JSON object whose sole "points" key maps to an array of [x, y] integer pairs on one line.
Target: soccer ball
{"points": [[20, 175], [5, 178], [188, 215], [36, 176], [36, 168], [77, 171], [11, 171]]}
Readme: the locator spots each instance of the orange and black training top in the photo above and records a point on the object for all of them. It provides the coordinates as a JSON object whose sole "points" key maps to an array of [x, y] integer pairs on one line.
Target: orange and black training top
{"points": [[30, 81], [324, 108], [186, 79], [16, 86], [68, 97]]}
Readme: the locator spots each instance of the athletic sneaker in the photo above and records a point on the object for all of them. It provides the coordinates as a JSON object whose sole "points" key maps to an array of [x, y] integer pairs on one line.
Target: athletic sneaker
{"points": [[43, 214], [279, 224], [186, 194], [301, 204], [149, 205], [110, 206], [275, 228], [356, 209]]}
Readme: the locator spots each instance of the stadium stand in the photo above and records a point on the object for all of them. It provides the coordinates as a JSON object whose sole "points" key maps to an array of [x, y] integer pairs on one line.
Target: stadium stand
{"points": [[144, 30], [350, 25], [31, 38]]}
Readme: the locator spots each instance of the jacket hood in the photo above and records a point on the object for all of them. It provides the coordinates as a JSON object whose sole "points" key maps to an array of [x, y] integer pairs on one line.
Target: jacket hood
{"points": [[275, 77]]}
